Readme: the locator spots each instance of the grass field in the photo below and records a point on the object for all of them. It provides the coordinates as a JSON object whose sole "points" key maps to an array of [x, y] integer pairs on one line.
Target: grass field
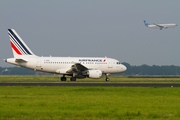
{"points": [[114, 103], [113, 79], [102, 103]]}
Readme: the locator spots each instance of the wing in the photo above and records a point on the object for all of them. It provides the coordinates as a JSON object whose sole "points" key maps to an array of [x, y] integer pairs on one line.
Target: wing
{"points": [[77, 68], [160, 26]]}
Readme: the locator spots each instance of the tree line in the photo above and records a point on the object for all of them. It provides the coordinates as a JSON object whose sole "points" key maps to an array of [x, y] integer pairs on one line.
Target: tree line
{"points": [[131, 70], [19, 71], [151, 70]]}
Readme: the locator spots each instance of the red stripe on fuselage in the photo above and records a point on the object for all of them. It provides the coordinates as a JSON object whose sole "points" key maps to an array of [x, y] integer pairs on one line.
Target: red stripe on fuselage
{"points": [[14, 47]]}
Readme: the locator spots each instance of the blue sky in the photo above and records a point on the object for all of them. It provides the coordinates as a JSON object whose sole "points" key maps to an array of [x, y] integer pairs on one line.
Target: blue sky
{"points": [[94, 28]]}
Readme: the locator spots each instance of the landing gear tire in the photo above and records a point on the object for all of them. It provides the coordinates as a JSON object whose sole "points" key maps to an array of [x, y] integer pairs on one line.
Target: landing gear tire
{"points": [[63, 78], [107, 79], [73, 79]]}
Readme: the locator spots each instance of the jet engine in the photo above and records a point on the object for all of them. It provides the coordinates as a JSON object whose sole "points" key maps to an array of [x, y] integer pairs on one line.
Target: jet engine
{"points": [[94, 73]]}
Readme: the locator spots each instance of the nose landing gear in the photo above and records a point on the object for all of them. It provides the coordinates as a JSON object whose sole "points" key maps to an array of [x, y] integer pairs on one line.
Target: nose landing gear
{"points": [[107, 79]]}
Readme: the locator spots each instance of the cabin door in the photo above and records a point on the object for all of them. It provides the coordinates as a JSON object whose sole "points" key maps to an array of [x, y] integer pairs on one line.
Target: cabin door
{"points": [[38, 63], [110, 64]]}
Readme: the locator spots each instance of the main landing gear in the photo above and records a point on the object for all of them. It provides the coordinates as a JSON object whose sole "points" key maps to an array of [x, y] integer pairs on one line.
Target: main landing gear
{"points": [[73, 78], [107, 79], [64, 78]]}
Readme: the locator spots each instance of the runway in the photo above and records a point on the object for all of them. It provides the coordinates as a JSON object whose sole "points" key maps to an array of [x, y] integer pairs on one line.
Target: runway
{"points": [[95, 84]]}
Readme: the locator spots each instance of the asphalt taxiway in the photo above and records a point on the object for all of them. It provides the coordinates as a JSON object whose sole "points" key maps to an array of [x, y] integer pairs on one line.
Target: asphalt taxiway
{"points": [[95, 84]]}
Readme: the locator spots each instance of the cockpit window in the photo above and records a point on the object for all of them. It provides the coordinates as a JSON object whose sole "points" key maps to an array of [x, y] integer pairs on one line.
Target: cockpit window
{"points": [[118, 63]]}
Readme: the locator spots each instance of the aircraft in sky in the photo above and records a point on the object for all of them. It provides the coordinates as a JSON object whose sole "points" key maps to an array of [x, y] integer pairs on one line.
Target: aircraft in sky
{"points": [[160, 26], [77, 67]]}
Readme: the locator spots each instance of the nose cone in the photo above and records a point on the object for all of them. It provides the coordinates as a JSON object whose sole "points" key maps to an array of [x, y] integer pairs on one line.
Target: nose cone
{"points": [[123, 68]]}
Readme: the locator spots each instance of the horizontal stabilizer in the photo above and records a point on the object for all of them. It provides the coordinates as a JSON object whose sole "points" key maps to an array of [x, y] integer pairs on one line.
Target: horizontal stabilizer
{"points": [[20, 60]]}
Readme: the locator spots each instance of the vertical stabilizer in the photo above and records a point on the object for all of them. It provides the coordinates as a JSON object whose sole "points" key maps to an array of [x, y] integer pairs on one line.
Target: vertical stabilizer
{"points": [[19, 47], [146, 24]]}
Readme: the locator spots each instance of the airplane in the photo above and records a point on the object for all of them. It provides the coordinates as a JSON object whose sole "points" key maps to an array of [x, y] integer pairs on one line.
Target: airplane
{"points": [[76, 67], [159, 25]]}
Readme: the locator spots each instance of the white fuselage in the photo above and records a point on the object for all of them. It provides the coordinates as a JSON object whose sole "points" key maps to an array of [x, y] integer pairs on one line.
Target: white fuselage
{"points": [[163, 25], [62, 64]]}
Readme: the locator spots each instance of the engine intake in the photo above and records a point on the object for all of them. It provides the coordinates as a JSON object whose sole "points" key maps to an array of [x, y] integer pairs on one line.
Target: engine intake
{"points": [[94, 74]]}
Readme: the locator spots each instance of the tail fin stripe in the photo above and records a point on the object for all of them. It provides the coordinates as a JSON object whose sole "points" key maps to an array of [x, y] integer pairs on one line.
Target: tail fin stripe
{"points": [[17, 47], [14, 47], [16, 44], [16, 38]]}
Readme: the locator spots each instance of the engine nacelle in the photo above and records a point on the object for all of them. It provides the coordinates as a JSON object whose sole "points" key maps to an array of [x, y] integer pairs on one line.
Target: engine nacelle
{"points": [[94, 73]]}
